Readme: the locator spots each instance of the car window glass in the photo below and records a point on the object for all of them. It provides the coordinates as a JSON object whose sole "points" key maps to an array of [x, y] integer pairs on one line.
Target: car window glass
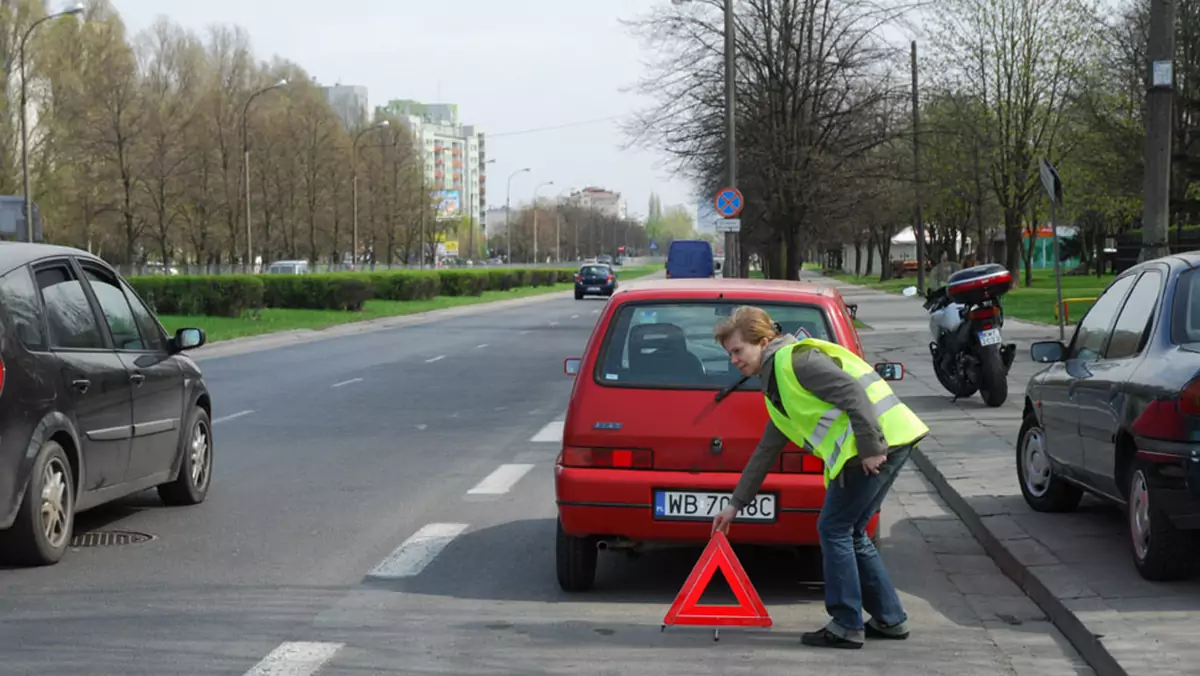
{"points": [[152, 332], [672, 344], [595, 270], [117, 313], [68, 314], [18, 295], [1133, 324], [1093, 329]]}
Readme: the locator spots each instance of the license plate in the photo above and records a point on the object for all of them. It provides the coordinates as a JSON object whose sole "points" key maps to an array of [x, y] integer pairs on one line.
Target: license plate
{"points": [[703, 506], [989, 337], [593, 288]]}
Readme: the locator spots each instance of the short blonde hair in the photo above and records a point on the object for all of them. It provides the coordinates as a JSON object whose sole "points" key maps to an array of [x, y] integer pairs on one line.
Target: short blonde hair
{"points": [[752, 323]]}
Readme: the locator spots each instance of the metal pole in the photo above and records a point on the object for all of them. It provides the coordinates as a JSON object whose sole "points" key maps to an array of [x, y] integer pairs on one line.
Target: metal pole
{"points": [[919, 225], [246, 165], [732, 255], [354, 187], [1160, 52], [535, 212], [424, 208], [1062, 331], [25, 149]]}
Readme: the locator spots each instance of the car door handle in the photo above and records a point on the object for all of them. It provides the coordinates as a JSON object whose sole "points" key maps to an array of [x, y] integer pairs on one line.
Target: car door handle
{"points": [[82, 385], [137, 378]]}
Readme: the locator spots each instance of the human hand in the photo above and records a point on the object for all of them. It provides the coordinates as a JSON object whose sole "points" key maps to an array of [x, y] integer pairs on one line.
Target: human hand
{"points": [[722, 520], [871, 465]]}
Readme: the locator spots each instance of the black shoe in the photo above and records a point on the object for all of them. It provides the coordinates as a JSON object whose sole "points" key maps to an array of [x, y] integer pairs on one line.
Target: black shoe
{"points": [[872, 632], [823, 638]]}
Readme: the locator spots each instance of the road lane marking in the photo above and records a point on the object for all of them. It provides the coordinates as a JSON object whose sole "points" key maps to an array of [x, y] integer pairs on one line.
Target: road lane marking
{"points": [[525, 332], [552, 432], [481, 346], [437, 358], [347, 382], [553, 323], [418, 551], [232, 416], [296, 658], [595, 312], [501, 481], [574, 316]]}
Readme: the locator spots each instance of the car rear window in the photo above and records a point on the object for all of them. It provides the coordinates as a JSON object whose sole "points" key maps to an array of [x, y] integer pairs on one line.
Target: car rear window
{"points": [[670, 345], [594, 270]]}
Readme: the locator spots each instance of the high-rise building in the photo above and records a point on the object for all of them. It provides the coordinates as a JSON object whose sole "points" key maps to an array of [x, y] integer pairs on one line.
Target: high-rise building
{"points": [[455, 156], [349, 103], [606, 202]]}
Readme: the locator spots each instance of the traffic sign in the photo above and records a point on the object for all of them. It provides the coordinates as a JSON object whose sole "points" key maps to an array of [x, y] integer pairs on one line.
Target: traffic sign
{"points": [[728, 202], [749, 612], [729, 225]]}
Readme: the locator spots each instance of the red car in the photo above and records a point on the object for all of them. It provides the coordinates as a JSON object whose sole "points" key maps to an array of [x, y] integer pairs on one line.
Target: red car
{"points": [[649, 455]]}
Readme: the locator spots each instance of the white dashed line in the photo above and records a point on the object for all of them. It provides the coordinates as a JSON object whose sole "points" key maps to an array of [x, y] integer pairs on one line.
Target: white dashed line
{"points": [[481, 346], [422, 427], [347, 382], [437, 358], [595, 312], [296, 658], [574, 316], [525, 332], [231, 416], [552, 432], [501, 481], [418, 551], [553, 323]]}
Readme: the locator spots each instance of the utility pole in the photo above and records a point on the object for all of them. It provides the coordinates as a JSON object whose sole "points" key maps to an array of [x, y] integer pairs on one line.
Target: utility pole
{"points": [[732, 267], [919, 224], [1156, 202]]}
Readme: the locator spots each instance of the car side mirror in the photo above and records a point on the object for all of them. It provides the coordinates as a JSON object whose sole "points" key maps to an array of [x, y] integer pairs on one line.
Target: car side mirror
{"points": [[188, 339], [1048, 352], [853, 308], [909, 292], [890, 370], [571, 365]]}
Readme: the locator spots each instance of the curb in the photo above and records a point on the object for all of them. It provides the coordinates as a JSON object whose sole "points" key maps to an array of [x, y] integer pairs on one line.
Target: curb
{"points": [[1073, 629]]}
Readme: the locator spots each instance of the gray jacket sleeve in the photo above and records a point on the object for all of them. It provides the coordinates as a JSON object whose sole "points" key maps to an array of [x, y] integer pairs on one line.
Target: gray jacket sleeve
{"points": [[761, 462], [819, 374]]}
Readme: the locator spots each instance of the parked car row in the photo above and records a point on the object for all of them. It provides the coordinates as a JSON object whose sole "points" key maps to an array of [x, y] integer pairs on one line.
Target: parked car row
{"points": [[97, 402]]}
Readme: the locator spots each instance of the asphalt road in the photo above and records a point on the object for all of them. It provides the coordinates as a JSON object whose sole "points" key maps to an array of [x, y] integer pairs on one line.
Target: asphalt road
{"points": [[424, 454]]}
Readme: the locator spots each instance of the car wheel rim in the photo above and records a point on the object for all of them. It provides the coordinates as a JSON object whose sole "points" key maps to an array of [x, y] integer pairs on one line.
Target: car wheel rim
{"points": [[1139, 515], [1035, 464], [56, 507], [201, 456]]}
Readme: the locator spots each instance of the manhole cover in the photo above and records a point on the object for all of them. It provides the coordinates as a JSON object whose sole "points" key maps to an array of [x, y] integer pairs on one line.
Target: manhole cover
{"points": [[109, 538]]}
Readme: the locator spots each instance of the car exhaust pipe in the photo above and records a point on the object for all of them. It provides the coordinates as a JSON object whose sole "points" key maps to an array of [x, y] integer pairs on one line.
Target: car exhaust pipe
{"points": [[605, 544]]}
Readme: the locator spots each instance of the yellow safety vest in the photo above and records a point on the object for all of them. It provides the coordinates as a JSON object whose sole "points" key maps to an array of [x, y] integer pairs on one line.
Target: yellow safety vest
{"points": [[812, 423]]}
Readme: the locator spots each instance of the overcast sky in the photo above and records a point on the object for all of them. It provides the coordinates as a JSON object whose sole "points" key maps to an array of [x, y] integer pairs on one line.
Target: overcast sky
{"points": [[510, 67]]}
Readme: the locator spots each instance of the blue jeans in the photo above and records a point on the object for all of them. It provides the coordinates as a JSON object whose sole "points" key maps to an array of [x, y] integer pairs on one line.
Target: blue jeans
{"points": [[855, 577]]}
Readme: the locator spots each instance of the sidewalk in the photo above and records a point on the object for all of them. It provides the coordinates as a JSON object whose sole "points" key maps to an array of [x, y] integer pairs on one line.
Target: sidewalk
{"points": [[1076, 567]]}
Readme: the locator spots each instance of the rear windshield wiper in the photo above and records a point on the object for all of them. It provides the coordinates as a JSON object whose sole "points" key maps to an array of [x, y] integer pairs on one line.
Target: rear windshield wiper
{"points": [[725, 392]]}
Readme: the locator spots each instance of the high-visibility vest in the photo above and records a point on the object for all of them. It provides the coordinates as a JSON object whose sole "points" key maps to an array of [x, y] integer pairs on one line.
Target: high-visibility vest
{"points": [[810, 422]]}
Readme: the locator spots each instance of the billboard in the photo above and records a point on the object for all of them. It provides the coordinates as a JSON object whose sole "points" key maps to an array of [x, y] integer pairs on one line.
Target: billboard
{"points": [[449, 204], [706, 217]]}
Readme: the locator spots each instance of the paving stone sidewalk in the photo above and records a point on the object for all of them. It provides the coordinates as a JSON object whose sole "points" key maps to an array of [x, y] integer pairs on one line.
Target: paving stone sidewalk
{"points": [[1076, 567]]}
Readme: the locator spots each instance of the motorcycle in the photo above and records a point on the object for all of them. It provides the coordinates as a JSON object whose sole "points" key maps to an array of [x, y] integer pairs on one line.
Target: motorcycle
{"points": [[965, 318]]}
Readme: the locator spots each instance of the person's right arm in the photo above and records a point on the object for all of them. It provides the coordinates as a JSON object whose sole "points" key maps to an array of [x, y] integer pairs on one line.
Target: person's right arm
{"points": [[765, 455]]}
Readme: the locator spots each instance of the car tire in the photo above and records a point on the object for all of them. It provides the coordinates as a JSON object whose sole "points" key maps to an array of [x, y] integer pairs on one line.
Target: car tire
{"points": [[578, 295], [195, 466], [30, 542], [1161, 552], [1043, 490], [575, 559]]}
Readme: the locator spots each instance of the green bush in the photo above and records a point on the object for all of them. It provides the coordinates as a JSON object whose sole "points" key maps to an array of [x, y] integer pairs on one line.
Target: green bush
{"points": [[322, 291], [211, 295], [405, 284], [463, 282]]}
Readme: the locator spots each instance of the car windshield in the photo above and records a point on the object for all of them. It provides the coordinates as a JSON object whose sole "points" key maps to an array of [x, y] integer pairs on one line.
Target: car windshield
{"points": [[670, 345], [594, 270]]}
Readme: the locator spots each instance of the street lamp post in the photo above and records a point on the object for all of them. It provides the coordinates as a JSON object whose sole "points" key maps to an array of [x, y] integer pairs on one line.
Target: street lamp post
{"points": [[535, 215], [77, 9], [471, 230], [246, 164], [354, 180], [507, 227]]}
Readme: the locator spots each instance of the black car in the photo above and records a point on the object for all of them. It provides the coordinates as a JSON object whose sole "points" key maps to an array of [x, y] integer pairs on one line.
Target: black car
{"points": [[595, 279], [96, 400], [1116, 413]]}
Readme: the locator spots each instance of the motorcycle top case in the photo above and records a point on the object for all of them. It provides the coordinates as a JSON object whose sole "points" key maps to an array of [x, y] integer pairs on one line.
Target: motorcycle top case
{"points": [[974, 285]]}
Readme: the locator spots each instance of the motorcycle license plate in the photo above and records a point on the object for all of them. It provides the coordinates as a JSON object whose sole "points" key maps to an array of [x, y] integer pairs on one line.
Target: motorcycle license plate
{"points": [[989, 337]]}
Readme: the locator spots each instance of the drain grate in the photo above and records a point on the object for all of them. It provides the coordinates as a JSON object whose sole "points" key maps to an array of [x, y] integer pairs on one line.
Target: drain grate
{"points": [[109, 538]]}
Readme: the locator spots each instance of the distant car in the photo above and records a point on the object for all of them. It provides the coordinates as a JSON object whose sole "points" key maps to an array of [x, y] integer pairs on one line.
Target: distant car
{"points": [[288, 268], [1116, 413], [690, 259], [595, 279], [96, 401], [648, 456]]}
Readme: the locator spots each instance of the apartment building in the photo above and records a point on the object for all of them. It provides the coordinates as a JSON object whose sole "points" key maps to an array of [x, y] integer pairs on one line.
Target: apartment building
{"points": [[455, 156], [349, 103], [606, 202]]}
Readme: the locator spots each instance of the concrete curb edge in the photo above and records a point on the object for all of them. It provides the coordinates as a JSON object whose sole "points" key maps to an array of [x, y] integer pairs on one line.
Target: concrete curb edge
{"points": [[1077, 634]]}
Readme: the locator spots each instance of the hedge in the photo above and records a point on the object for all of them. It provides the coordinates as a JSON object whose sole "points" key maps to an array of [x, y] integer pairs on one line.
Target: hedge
{"points": [[231, 295]]}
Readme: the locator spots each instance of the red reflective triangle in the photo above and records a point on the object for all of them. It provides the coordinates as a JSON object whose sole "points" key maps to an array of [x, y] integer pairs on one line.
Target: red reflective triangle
{"points": [[749, 612]]}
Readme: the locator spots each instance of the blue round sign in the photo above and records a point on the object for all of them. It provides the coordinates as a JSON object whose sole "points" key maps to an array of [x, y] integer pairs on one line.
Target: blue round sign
{"points": [[728, 202]]}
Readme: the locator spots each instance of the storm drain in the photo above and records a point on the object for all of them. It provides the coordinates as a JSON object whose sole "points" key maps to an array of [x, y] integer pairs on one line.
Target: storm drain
{"points": [[109, 538]]}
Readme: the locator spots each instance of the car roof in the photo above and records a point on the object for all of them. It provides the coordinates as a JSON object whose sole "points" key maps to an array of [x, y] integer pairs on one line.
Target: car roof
{"points": [[16, 254], [700, 287]]}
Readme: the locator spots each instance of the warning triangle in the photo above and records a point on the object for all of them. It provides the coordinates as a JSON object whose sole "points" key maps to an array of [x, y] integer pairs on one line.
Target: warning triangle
{"points": [[749, 612]]}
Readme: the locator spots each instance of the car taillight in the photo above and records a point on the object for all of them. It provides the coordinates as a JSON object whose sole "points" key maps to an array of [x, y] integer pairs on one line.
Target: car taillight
{"points": [[800, 463], [1189, 399], [616, 458], [578, 278], [1, 375], [1171, 419], [608, 279]]}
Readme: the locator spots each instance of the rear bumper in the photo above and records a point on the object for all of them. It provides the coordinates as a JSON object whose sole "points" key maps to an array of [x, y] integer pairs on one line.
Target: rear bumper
{"points": [[620, 503], [601, 288]]}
